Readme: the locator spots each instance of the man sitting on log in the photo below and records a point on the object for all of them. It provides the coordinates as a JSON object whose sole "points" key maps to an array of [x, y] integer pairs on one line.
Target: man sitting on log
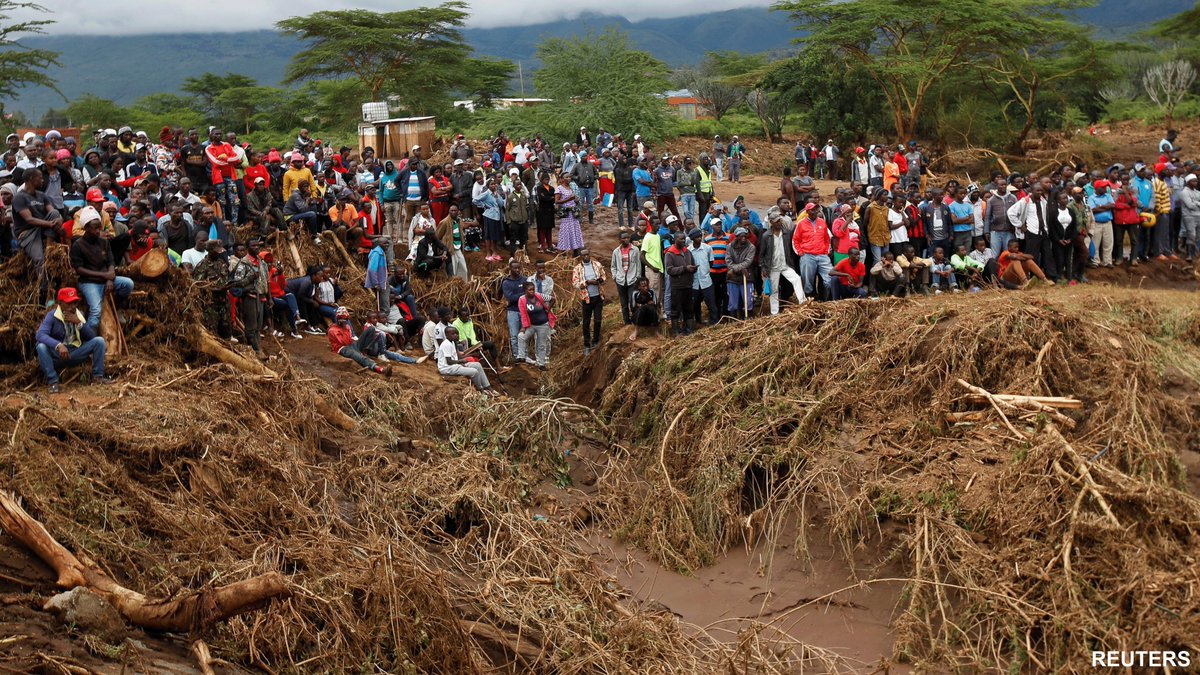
{"points": [[65, 340], [93, 261]]}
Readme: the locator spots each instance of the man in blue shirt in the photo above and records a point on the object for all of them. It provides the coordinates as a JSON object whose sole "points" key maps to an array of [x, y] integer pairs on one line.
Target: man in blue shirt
{"points": [[643, 182], [702, 283], [1144, 189], [1102, 205], [962, 215]]}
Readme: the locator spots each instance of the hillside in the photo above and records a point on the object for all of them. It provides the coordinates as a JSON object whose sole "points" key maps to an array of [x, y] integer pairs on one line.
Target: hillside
{"points": [[159, 62]]}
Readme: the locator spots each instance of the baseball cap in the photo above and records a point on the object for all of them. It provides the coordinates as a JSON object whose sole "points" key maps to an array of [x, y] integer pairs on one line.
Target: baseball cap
{"points": [[647, 205], [10, 137], [740, 231], [416, 147], [95, 195], [68, 294], [260, 180], [672, 219], [459, 162], [695, 233]]}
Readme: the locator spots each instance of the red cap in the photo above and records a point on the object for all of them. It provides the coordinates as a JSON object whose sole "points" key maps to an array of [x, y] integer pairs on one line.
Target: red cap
{"points": [[273, 156], [860, 150], [1100, 184], [68, 294], [95, 195]]}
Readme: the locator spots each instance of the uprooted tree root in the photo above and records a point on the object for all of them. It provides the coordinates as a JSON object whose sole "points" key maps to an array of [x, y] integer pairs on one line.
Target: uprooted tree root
{"points": [[1019, 555]]}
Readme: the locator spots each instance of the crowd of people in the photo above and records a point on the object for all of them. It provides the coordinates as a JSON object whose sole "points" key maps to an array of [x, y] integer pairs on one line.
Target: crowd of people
{"points": [[683, 256]]}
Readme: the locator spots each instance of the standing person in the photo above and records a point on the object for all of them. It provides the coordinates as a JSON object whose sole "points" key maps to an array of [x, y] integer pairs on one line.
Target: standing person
{"points": [[687, 180], [1142, 190], [704, 188], [95, 266], [413, 181], [537, 322], [244, 284], [588, 278], [440, 189], [1102, 206], [680, 270], [718, 241], [831, 154], [811, 242], [1126, 221], [570, 234], [223, 159], [652, 260], [702, 282], [1060, 233], [878, 228], [461, 182], [915, 161], [777, 258], [1030, 215], [452, 233], [718, 157], [626, 269], [860, 170], [664, 187], [736, 152], [377, 272], [740, 258], [999, 201], [450, 365], [585, 176], [516, 218], [962, 219], [392, 198], [64, 339], [490, 204], [545, 213], [512, 287], [624, 190], [1189, 207]]}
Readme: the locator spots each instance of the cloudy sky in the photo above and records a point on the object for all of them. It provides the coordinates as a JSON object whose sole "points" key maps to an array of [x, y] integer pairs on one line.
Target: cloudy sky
{"points": [[138, 16]]}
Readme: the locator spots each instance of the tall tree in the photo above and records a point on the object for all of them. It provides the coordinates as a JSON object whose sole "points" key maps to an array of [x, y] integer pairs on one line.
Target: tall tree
{"points": [[21, 66], [207, 88], [1167, 83], [907, 46], [601, 81], [408, 51], [485, 80], [719, 82]]}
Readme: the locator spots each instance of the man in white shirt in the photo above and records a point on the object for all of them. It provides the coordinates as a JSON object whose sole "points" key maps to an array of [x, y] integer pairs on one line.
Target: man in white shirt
{"points": [[194, 255], [1029, 217], [450, 365], [185, 192], [434, 333], [831, 155]]}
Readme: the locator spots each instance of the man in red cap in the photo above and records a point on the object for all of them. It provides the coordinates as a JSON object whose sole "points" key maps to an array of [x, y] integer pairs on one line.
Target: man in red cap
{"points": [[64, 339], [810, 240]]}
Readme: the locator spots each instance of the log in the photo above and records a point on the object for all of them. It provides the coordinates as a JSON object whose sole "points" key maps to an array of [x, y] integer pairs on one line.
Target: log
{"points": [[335, 416], [1018, 400], [209, 345], [152, 265], [345, 255], [521, 648], [110, 327], [192, 612]]}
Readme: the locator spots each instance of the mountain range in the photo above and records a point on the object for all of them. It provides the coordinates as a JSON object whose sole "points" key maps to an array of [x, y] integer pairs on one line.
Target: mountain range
{"points": [[128, 68]]}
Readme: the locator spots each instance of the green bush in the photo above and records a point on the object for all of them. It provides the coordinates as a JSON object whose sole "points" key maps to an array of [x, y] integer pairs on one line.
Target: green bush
{"points": [[1147, 111]]}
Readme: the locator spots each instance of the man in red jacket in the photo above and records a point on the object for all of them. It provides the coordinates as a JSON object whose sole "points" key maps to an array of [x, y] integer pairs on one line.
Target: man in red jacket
{"points": [[223, 159], [811, 243], [343, 343]]}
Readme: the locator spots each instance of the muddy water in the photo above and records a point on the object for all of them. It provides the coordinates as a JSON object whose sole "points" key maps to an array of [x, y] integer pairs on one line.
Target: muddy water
{"points": [[854, 623]]}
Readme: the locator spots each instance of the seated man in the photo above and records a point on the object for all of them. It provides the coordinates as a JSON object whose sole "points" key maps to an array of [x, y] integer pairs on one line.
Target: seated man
{"points": [[537, 321], [431, 254], [450, 364], [93, 261], [887, 277], [942, 272], [848, 277], [466, 331], [379, 348], [1016, 267], [343, 343], [433, 333], [916, 269], [969, 270], [65, 340]]}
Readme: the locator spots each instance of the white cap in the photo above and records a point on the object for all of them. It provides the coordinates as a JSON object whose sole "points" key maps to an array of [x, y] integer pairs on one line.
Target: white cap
{"points": [[672, 219], [637, 137], [28, 135], [1189, 178], [416, 147], [513, 171], [459, 162], [87, 214]]}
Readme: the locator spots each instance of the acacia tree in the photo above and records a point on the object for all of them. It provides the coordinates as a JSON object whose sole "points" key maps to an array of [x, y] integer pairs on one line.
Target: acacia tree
{"points": [[906, 47], [601, 81], [21, 66], [719, 81], [414, 52], [487, 79], [1030, 69]]}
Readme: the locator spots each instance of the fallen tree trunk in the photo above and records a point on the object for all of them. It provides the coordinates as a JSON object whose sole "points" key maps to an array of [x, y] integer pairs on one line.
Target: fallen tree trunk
{"points": [[151, 265], [110, 327], [209, 345], [188, 613]]}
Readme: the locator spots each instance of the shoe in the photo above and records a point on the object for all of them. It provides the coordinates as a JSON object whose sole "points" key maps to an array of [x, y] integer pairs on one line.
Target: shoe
{"points": [[233, 340], [103, 379], [937, 291], [1072, 283], [277, 333], [1161, 258], [1050, 282], [312, 330], [301, 322], [1173, 257], [317, 241], [53, 389], [1133, 263], [596, 344], [423, 359], [297, 336], [956, 289], [530, 361]]}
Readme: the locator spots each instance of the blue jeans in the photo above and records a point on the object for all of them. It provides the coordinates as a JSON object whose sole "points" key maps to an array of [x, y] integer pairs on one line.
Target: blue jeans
{"points": [[93, 295], [840, 290], [810, 267], [288, 301], [514, 328], [51, 362], [688, 202], [327, 312], [1000, 242], [740, 295], [588, 195], [309, 218]]}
